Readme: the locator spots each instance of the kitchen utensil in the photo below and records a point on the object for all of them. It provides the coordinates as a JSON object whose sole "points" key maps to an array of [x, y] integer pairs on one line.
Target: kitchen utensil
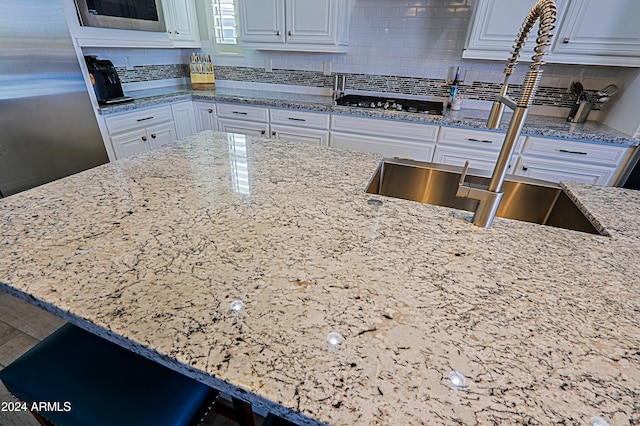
{"points": [[608, 91]]}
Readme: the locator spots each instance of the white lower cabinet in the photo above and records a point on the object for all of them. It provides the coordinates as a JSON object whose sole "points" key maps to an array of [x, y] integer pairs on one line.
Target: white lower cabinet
{"points": [[247, 120], [249, 128], [141, 130], [302, 126], [414, 141], [557, 170], [205, 116], [559, 159], [478, 159], [183, 119], [480, 147]]}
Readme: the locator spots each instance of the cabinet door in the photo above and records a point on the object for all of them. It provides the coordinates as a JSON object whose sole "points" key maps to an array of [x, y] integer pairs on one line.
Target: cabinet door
{"points": [[262, 21], [478, 159], [311, 21], [161, 135], [130, 143], [181, 20], [300, 134], [387, 147], [205, 116], [495, 25], [555, 171], [184, 119], [607, 29], [249, 128]]}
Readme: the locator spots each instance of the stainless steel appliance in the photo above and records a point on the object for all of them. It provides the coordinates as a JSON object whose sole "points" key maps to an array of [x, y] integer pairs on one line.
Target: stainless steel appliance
{"points": [[48, 129], [142, 15], [105, 81]]}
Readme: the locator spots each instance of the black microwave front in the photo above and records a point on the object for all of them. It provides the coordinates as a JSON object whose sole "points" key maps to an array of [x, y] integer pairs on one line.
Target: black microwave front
{"points": [[141, 15]]}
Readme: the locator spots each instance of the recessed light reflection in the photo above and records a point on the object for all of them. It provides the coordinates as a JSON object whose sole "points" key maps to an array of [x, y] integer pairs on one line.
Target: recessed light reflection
{"points": [[237, 306], [457, 379], [335, 339], [599, 421]]}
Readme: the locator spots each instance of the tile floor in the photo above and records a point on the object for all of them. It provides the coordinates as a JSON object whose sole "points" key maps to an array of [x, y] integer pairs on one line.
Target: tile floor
{"points": [[21, 327]]}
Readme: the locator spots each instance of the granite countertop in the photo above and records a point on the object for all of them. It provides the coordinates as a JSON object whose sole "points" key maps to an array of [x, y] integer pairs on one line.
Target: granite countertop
{"points": [[469, 118], [151, 251]]}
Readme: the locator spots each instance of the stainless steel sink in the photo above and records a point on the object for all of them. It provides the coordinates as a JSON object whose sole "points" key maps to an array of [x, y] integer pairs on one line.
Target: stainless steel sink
{"points": [[525, 199]]}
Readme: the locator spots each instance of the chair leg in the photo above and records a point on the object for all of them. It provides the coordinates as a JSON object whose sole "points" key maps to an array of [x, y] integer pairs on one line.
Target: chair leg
{"points": [[41, 419], [243, 411]]}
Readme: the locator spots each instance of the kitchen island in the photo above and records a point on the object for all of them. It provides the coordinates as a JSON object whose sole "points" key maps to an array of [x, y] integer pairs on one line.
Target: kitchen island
{"points": [[151, 252]]}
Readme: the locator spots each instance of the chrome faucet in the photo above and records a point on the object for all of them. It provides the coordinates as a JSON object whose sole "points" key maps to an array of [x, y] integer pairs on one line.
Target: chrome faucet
{"points": [[489, 198]]}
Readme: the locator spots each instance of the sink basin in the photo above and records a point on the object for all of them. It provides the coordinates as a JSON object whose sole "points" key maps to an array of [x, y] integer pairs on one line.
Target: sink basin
{"points": [[529, 200]]}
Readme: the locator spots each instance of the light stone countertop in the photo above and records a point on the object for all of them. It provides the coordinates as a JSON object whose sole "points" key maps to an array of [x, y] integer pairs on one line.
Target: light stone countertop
{"points": [[150, 251], [470, 118]]}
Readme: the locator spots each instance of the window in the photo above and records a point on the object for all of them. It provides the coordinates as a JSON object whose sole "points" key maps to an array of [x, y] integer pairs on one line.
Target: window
{"points": [[224, 26]]}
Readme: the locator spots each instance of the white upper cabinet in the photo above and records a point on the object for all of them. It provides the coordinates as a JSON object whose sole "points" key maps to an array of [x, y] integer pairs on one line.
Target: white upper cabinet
{"points": [[589, 32], [295, 25], [494, 27], [600, 33], [182, 23]]}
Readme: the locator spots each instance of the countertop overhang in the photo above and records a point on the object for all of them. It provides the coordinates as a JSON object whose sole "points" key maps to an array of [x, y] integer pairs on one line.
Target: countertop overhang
{"points": [[151, 251]]}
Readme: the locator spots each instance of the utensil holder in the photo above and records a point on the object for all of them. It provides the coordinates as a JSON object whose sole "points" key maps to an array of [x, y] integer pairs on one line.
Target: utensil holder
{"points": [[583, 112], [202, 76]]}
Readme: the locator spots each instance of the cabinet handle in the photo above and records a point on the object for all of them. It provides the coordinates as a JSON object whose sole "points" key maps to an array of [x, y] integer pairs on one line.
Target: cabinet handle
{"points": [[144, 138], [566, 40], [278, 32], [153, 135], [296, 119], [572, 152], [273, 133], [177, 32], [479, 140], [146, 118], [169, 32], [239, 112], [210, 110], [263, 132], [525, 168], [289, 33]]}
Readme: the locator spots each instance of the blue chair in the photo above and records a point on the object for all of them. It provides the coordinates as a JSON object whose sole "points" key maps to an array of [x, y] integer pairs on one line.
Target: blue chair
{"points": [[96, 382]]}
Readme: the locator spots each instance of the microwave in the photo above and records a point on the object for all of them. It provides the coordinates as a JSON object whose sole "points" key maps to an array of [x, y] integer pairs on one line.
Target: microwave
{"points": [[141, 15]]}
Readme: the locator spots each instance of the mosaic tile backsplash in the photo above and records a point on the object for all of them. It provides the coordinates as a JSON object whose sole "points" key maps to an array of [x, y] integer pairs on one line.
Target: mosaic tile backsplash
{"points": [[546, 96]]}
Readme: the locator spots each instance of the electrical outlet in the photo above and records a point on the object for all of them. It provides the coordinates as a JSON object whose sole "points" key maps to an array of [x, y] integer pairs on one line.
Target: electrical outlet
{"points": [[326, 68], [268, 65], [127, 64]]}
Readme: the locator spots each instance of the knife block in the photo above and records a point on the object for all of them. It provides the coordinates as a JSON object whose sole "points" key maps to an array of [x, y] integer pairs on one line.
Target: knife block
{"points": [[202, 76]]}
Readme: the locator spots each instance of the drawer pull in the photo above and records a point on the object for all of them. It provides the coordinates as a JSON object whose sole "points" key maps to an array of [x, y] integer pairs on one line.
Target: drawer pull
{"points": [[144, 119], [263, 132], [296, 119], [210, 110], [479, 140], [144, 138], [239, 112], [572, 152], [153, 135], [525, 168], [273, 133]]}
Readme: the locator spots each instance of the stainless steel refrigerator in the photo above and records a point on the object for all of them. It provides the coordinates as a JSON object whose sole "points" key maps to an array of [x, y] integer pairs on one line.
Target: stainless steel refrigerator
{"points": [[48, 129]]}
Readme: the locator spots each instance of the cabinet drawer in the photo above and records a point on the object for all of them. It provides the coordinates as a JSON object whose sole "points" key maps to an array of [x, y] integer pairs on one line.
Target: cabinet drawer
{"points": [[300, 118], [138, 119], [474, 138], [387, 147], [575, 151], [397, 130], [243, 112]]}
